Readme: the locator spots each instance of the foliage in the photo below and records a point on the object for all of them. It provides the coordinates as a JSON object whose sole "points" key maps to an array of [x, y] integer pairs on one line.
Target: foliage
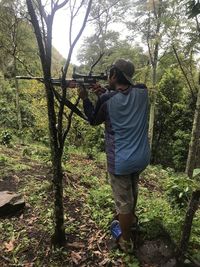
{"points": [[85, 184], [193, 8], [101, 200], [179, 190], [5, 137], [171, 139]]}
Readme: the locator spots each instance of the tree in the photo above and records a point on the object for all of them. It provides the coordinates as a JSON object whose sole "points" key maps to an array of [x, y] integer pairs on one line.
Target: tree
{"points": [[171, 139], [194, 10], [104, 39], [42, 22], [148, 23], [16, 46]]}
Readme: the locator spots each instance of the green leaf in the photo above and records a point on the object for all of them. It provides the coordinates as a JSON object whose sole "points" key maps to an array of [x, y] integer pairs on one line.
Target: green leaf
{"points": [[196, 173], [186, 189], [180, 195]]}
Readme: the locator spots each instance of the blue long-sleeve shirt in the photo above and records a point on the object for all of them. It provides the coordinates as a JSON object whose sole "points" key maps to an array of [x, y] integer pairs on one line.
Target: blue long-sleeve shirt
{"points": [[125, 114]]}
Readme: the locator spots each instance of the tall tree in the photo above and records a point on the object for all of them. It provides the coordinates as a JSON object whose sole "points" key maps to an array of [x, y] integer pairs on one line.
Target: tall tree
{"points": [[42, 21], [148, 24], [103, 14], [154, 23], [194, 11], [15, 45]]}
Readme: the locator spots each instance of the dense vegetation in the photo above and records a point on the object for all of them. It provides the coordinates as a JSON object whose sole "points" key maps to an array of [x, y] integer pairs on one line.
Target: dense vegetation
{"points": [[169, 67]]}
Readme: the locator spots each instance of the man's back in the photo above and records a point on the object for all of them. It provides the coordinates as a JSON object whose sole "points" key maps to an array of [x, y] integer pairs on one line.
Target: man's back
{"points": [[127, 144]]}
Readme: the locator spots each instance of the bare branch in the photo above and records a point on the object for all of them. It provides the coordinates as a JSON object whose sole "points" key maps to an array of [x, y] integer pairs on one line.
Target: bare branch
{"points": [[36, 26], [24, 65], [64, 72], [42, 11], [183, 71], [81, 4], [71, 21], [76, 39], [104, 11], [43, 16], [99, 58], [149, 48], [59, 6], [154, 9], [70, 120]]}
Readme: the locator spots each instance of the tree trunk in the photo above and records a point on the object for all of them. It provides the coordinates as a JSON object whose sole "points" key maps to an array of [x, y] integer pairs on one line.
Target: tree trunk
{"points": [[154, 62], [59, 238], [194, 143], [153, 107], [192, 208], [18, 110], [197, 164]]}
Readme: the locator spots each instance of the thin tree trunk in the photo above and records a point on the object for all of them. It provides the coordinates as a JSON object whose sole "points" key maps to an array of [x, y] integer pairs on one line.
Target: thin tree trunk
{"points": [[18, 110], [58, 238], [153, 107], [154, 62], [192, 208], [194, 202], [194, 143], [197, 163]]}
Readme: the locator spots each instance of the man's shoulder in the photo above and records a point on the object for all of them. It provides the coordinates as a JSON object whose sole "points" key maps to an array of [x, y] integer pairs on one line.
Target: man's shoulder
{"points": [[106, 96], [140, 86]]}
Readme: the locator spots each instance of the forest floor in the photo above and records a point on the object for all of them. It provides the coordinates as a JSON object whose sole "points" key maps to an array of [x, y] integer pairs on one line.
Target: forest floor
{"points": [[25, 239]]}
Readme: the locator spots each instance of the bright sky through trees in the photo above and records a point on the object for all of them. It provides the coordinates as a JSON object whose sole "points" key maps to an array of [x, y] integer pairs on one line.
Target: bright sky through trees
{"points": [[61, 33]]}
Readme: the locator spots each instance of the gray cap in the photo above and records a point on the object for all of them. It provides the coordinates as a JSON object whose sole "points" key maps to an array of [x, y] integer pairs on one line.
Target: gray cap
{"points": [[126, 67]]}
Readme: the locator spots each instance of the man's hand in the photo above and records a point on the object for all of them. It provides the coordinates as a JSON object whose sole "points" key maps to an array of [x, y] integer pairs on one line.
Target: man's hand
{"points": [[83, 93], [72, 84], [97, 89]]}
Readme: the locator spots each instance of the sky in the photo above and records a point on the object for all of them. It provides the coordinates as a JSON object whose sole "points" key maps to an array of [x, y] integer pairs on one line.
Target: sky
{"points": [[61, 33]]}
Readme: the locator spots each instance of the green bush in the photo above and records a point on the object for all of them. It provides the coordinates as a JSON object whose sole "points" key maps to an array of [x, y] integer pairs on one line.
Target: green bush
{"points": [[6, 137], [179, 190]]}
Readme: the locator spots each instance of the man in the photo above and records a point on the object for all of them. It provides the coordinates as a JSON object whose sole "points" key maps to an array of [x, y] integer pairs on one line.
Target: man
{"points": [[124, 110]]}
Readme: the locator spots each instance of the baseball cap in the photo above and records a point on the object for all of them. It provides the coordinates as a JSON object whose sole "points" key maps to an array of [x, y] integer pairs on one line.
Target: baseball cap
{"points": [[126, 67]]}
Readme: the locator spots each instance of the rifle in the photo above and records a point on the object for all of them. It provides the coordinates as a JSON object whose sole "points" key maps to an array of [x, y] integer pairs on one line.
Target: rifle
{"points": [[80, 80]]}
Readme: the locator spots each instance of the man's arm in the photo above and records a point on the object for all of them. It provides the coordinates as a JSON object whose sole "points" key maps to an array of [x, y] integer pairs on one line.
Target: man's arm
{"points": [[96, 115]]}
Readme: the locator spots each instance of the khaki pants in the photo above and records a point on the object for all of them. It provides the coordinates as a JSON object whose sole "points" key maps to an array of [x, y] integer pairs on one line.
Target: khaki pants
{"points": [[125, 191]]}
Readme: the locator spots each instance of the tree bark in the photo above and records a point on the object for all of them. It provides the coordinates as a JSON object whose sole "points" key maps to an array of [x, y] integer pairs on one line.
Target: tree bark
{"points": [[59, 238], [192, 208], [194, 143], [153, 107], [18, 110], [154, 62]]}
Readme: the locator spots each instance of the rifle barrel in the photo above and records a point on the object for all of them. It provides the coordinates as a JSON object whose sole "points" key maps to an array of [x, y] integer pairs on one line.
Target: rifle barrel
{"points": [[29, 78]]}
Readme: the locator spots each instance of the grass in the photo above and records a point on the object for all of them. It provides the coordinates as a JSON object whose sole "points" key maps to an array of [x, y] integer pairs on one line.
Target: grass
{"points": [[88, 204]]}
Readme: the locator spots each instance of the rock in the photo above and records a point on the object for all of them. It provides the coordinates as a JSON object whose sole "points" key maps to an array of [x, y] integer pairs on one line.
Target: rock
{"points": [[156, 253], [170, 263], [10, 203]]}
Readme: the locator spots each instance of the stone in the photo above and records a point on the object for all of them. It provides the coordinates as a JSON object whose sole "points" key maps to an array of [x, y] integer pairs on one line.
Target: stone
{"points": [[10, 203]]}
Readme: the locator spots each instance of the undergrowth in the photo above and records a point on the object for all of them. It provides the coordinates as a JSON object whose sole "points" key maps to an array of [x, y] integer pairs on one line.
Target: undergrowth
{"points": [[162, 203]]}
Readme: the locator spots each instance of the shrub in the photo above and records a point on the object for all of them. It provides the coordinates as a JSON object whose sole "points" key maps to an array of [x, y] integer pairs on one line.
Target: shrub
{"points": [[179, 190], [5, 138]]}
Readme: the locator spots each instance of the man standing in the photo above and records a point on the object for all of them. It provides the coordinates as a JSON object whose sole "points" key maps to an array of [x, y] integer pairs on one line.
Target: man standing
{"points": [[125, 112]]}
